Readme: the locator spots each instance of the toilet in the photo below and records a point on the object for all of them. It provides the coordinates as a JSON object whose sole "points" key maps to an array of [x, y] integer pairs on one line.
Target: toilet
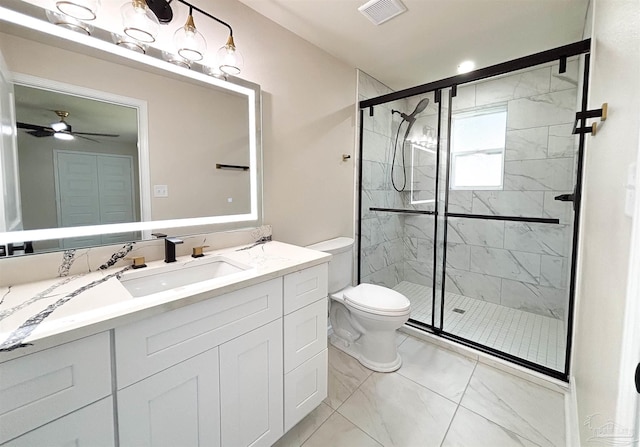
{"points": [[364, 318]]}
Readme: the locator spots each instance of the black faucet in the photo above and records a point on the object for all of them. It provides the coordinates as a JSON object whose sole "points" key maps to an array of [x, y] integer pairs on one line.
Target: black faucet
{"points": [[169, 246]]}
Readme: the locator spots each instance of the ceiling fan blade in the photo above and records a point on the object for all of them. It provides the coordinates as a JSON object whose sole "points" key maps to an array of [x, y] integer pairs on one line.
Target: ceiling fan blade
{"points": [[44, 132], [96, 134], [75, 134], [33, 127]]}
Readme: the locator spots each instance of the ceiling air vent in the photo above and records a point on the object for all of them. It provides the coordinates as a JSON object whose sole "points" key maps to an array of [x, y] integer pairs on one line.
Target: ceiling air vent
{"points": [[379, 11]]}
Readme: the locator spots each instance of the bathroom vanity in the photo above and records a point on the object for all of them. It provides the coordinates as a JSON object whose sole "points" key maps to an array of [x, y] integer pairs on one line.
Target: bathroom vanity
{"points": [[233, 361]]}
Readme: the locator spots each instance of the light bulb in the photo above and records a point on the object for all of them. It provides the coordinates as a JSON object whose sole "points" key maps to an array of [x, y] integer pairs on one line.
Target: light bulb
{"points": [[139, 22], [59, 126], [63, 136], [189, 42], [466, 67], [230, 59]]}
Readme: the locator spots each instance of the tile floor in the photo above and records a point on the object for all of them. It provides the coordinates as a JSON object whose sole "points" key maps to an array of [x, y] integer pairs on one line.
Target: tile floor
{"points": [[437, 398], [529, 336]]}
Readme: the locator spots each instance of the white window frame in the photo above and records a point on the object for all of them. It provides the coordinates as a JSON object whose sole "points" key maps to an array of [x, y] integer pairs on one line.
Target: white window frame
{"points": [[499, 108]]}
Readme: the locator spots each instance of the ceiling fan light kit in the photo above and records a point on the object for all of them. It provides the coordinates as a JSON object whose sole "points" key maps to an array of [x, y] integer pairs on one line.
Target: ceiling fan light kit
{"points": [[141, 21], [61, 130]]}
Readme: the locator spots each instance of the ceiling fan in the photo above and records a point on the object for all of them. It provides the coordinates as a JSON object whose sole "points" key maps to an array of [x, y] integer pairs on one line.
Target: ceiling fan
{"points": [[61, 130]]}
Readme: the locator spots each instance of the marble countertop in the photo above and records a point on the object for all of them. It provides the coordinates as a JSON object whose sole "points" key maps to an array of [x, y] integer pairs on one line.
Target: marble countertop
{"points": [[42, 314]]}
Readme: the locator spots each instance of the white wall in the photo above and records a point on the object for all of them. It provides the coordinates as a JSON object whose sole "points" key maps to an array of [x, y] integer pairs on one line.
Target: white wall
{"points": [[308, 123], [606, 230]]}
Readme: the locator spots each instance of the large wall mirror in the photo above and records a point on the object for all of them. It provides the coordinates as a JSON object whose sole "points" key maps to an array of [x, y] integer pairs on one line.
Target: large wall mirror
{"points": [[145, 144]]}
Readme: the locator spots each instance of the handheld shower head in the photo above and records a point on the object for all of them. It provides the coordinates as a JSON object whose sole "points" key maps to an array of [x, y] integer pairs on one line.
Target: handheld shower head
{"points": [[424, 102]]}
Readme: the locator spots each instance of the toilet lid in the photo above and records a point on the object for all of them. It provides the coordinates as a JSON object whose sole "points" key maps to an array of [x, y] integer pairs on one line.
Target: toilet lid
{"points": [[377, 299]]}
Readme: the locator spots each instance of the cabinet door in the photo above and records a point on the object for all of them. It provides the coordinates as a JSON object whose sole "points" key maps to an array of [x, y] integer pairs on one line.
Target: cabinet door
{"points": [[175, 407], [92, 426], [304, 389], [251, 388]]}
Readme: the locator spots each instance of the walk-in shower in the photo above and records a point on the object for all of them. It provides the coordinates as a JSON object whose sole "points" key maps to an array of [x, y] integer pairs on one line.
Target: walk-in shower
{"points": [[461, 203]]}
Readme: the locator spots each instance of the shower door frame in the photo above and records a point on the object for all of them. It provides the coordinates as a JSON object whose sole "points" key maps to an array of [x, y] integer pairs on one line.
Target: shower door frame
{"points": [[560, 54]]}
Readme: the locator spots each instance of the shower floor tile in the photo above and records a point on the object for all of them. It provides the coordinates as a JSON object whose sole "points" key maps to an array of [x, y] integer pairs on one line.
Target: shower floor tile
{"points": [[530, 336]]}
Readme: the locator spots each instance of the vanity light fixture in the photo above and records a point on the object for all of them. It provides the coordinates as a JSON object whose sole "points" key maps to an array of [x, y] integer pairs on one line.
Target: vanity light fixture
{"points": [[68, 22], [139, 21], [229, 59], [189, 41], [86, 10], [129, 43]]}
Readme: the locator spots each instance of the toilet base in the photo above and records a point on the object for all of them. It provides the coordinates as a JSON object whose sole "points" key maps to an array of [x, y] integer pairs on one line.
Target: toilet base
{"points": [[351, 349]]}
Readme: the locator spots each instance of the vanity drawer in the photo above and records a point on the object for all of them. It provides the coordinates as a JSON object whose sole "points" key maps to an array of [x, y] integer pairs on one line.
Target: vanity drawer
{"points": [[305, 334], [152, 345], [40, 387], [305, 287], [91, 426], [304, 389]]}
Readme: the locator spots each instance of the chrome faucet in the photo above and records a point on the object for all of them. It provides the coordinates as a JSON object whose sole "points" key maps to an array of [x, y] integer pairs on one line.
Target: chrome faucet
{"points": [[169, 246]]}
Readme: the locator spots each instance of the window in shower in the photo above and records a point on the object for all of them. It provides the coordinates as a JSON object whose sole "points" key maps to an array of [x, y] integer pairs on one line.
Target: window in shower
{"points": [[478, 140]]}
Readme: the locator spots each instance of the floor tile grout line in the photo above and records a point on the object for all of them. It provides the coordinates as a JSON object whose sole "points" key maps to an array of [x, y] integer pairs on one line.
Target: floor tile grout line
{"points": [[429, 389], [319, 426], [446, 433]]}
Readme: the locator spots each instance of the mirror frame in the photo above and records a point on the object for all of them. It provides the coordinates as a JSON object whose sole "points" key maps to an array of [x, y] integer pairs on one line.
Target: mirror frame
{"points": [[30, 27]]}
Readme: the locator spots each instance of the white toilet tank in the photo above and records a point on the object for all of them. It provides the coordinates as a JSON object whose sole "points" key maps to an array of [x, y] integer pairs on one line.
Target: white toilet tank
{"points": [[341, 264]]}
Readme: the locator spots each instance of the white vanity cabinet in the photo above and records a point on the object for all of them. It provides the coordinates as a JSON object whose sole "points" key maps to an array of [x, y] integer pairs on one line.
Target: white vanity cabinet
{"points": [[234, 370], [208, 374], [45, 394], [91, 426], [305, 342]]}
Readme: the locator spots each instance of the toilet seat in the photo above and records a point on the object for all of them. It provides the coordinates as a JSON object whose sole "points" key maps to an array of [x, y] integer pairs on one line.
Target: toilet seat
{"points": [[377, 300]]}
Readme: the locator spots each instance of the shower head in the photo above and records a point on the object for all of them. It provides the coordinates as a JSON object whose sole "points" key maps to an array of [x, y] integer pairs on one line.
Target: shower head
{"points": [[424, 102]]}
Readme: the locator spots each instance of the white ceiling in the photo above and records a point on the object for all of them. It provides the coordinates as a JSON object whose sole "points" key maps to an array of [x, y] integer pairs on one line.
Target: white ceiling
{"points": [[427, 42]]}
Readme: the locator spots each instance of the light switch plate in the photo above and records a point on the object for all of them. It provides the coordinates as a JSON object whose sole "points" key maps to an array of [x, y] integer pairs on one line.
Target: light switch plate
{"points": [[160, 191]]}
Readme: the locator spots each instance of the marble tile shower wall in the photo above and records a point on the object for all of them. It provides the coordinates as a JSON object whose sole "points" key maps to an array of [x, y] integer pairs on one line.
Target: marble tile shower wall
{"points": [[382, 237], [519, 265]]}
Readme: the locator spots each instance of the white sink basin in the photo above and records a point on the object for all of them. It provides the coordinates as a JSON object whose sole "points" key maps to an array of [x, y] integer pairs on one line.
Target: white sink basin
{"points": [[147, 282]]}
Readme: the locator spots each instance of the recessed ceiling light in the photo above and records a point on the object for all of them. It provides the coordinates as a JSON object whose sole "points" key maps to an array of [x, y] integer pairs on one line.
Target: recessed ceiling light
{"points": [[466, 66]]}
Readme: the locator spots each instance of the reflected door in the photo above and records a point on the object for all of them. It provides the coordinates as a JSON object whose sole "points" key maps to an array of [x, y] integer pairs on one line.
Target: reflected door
{"points": [[93, 189]]}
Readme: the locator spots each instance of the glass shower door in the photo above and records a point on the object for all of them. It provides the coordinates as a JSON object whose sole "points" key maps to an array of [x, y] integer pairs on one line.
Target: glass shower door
{"points": [[399, 149], [511, 174]]}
